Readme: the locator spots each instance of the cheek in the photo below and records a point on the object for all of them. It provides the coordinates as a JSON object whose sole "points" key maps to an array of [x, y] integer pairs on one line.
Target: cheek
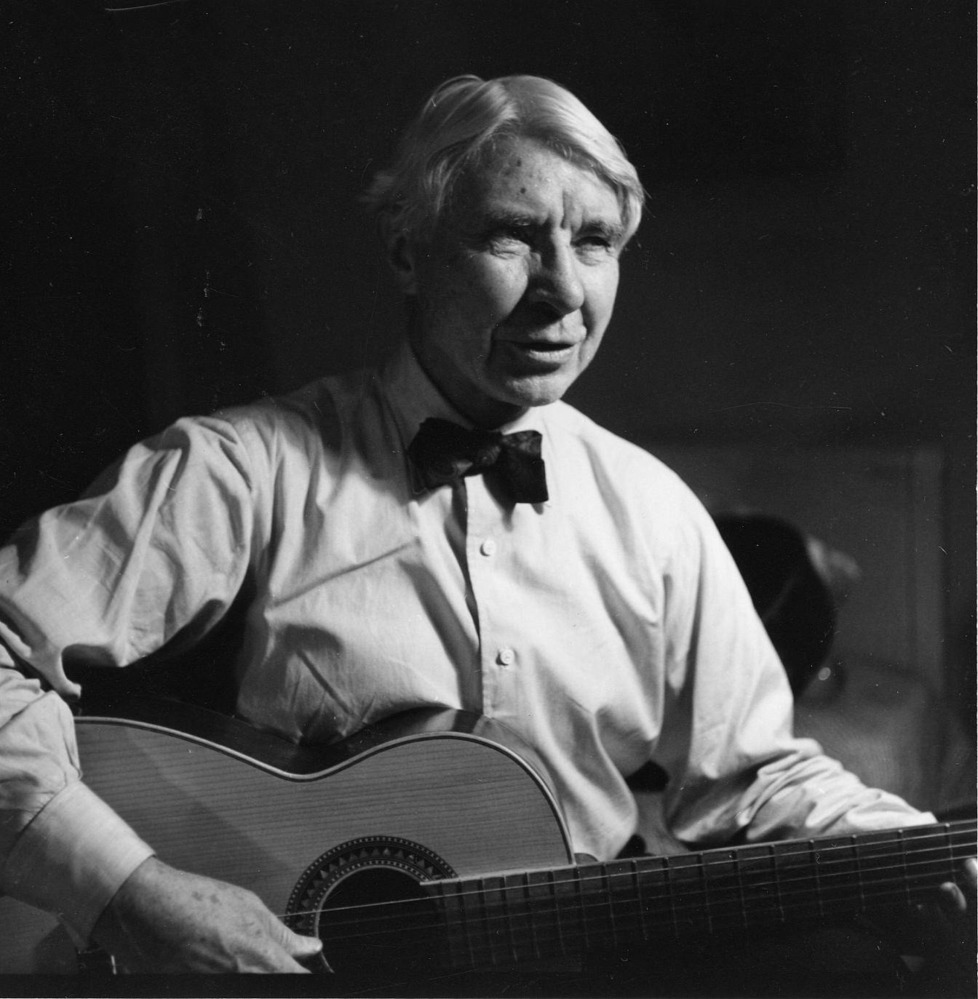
{"points": [[493, 288], [601, 296], [472, 295]]}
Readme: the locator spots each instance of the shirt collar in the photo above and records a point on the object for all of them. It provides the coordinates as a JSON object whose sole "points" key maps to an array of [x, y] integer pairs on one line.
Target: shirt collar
{"points": [[413, 398]]}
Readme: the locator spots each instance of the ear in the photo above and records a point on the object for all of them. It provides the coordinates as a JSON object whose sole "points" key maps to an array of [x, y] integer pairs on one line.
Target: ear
{"points": [[402, 257]]}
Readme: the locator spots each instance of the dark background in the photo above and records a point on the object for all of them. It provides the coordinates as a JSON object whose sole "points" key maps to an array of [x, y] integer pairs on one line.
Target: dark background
{"points": [[182, 226]]}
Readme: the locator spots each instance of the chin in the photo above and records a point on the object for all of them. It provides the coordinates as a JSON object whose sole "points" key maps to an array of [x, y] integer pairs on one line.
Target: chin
{"points": [[538, 392]]}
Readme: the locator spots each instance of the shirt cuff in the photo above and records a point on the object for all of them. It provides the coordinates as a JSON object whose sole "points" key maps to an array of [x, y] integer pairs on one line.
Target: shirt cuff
{"points": [[72, 859]]}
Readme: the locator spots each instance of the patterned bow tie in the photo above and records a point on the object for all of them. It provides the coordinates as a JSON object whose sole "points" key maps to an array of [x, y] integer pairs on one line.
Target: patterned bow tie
{"points": [[444, 452]]}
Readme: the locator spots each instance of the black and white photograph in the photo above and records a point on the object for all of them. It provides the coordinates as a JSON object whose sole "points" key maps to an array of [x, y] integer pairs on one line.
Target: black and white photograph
{"points": [[487, 496]]}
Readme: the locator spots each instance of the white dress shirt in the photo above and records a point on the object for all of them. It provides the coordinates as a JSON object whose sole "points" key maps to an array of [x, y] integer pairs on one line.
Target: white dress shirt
{"points": [[606, 627]]}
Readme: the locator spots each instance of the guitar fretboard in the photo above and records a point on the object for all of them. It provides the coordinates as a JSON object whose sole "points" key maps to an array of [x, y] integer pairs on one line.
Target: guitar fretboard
{"points": [[531, 915]]}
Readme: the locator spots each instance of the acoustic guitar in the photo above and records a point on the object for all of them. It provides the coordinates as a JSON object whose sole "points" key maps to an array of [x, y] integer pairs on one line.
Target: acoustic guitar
{"points": [[434, 842]]}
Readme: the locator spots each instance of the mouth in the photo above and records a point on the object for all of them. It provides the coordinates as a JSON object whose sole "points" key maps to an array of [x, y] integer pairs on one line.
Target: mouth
{"points": [[543, 353]]}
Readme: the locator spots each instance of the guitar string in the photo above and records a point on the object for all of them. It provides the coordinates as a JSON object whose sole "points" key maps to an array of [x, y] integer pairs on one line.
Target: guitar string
{"points": [[799, 894], [569, 926], [789, 895], [692, 865], [687, 872], [789, 890]]}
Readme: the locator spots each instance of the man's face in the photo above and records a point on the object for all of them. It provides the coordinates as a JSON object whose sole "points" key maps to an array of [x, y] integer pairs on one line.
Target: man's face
{"points": [[517, 285]]}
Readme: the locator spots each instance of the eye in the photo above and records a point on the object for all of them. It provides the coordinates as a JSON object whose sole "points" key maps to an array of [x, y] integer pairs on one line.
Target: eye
{"points": [[509, 238], [596, 245], [515, 232]]}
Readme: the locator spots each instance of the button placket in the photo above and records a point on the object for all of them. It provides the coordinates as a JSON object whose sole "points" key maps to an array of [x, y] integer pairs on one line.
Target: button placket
{"points": [[484, 525]]}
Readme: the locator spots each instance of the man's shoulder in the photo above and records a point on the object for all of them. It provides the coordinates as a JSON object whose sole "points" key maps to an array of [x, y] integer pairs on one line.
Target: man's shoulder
{"points": [[310, 416], [615, 481], [606, 449]]}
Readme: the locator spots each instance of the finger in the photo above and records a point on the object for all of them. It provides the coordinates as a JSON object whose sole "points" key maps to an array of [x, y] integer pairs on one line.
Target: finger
{"points": [[296, 944], [952, 898], [970, 867], [300, 946]]}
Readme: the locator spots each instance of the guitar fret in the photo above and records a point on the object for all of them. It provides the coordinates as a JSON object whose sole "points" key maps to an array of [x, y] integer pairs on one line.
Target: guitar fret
{"points": [[885, 853], [530, 917], [903, 862], [567, 889], [508, 920], [582, 906], [615, 869], [466, 926], [558, 910], [521, 919], [776, 881], [459, 937], [671, 893], [707, 900], [817, 876], [859, 874], [738, 874], [536, 929], [639, 883], [946, 834], [489, 919], [537, 911], [603, 911]]}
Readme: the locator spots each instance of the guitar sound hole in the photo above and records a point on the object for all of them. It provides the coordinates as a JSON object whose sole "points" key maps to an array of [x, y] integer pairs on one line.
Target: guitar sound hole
{"points": [[365, 900], [377, 923]]}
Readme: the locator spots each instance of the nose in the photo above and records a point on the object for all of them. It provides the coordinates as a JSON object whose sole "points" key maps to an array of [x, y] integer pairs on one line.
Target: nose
{"points": [[556, 279]]}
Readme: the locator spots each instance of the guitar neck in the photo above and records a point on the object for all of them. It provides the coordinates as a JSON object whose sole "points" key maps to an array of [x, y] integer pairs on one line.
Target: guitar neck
{"points": [[525, 916]]}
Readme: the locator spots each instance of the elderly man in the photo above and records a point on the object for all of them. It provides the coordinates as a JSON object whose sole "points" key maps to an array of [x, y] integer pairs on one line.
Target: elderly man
{"points": [[443, 532]]}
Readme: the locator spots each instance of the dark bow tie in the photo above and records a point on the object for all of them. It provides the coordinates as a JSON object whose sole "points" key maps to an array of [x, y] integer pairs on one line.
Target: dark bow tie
{"points": [[444, 452]]}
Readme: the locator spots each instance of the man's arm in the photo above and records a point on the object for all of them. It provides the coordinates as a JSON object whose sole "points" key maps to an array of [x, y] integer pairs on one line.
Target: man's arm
{"points": [[160, 544], [67, 852], [736, 769], [166, 920], [61, 848]]}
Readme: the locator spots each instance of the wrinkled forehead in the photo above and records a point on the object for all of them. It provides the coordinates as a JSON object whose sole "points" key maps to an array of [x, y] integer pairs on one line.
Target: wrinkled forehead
{"points": [[522, 172]]}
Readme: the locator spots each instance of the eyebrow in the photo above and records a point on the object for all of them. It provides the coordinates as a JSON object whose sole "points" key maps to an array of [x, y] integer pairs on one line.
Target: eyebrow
{"points": [[612, 231], [504, 219]]}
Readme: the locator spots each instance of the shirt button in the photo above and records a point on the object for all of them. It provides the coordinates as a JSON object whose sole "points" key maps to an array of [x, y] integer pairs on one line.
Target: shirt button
{"points": [[506, 657], [488, 547]]}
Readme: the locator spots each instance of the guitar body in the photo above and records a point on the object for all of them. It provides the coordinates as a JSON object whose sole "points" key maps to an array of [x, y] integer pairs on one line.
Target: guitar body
{"points": [[434, 843], [426, 802]]}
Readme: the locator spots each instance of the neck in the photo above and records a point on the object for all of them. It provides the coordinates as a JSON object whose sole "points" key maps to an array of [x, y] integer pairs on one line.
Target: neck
{"points": [[485, 414], [497, 919]]}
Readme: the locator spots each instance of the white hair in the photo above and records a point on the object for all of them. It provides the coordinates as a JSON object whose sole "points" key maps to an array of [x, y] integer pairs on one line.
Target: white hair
{"points": [[464, 120]]}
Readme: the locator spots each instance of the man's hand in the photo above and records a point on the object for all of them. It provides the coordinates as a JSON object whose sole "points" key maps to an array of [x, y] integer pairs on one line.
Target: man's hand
{"points": [[166, 920]]}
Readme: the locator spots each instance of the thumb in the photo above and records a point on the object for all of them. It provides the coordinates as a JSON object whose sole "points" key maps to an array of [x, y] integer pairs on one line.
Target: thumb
{"points": [[298, 945], [293, 943]]}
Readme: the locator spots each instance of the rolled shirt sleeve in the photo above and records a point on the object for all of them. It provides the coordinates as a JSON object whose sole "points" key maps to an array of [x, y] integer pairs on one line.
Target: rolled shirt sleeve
{"points": [[72, 859], [157, 550], [738, 770]]}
